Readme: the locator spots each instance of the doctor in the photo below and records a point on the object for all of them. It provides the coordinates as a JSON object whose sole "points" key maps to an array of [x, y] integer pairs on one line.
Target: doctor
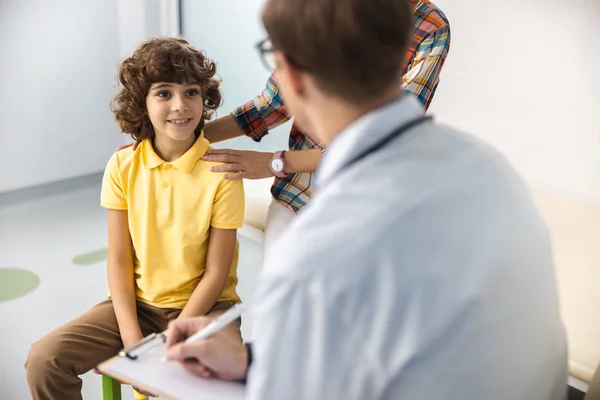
{"points": [[422, 268]]}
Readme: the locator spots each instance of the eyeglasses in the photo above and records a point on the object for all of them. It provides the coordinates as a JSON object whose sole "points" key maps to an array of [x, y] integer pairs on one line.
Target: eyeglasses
{"points": [[267, 55]]}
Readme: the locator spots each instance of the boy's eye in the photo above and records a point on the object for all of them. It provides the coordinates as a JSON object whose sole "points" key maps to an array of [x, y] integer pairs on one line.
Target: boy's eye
{"points": [[193, 92], [163, 93]]}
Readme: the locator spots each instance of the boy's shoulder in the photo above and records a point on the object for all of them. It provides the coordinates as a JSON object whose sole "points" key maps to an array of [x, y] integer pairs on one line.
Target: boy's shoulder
{"points": [[123, 159], [205, 165]]}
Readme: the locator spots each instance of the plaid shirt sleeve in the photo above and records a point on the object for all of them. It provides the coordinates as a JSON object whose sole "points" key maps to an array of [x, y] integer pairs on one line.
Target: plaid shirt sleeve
{"points": [[422, 75], [266, 111]]}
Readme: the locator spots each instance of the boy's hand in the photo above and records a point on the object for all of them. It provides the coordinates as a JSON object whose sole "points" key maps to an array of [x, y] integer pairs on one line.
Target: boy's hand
{"points": [[131, 338], [245, 164], [134, 144]]}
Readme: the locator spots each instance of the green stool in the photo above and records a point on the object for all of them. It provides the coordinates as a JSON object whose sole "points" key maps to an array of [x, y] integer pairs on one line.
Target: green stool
{"points": [[111, 389]]}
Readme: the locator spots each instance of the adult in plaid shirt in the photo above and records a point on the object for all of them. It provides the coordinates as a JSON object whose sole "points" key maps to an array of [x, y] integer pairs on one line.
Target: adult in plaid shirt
{"points": [[292, 189]]}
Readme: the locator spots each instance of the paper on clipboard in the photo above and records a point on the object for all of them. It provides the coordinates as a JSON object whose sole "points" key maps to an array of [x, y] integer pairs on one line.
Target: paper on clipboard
{"points": [[168, 379]]}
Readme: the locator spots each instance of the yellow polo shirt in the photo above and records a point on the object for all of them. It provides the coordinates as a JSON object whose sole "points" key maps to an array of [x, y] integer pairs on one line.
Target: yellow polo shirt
{"points": [[171, 208]]}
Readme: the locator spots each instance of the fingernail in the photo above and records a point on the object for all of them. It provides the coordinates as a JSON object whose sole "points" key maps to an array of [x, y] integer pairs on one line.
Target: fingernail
{"points": [[168, 356], [211, 169]]}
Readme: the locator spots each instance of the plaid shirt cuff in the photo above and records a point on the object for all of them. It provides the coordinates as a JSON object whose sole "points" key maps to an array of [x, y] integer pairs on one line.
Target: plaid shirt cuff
{"points": [[250, 121]]}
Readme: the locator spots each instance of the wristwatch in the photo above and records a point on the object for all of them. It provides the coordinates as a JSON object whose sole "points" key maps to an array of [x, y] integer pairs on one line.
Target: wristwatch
{"points": [[277, 164]]}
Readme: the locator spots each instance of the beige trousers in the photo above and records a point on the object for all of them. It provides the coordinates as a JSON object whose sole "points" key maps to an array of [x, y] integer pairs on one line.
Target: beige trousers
{"points": [[55, 361]]}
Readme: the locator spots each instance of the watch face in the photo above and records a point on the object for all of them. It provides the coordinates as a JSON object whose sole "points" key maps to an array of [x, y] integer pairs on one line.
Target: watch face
{"points": [[277, 165]]}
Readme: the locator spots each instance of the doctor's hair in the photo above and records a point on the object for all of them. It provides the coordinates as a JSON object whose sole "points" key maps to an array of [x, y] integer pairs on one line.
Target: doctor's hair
{"points": [[353, 49], [164, 59]]}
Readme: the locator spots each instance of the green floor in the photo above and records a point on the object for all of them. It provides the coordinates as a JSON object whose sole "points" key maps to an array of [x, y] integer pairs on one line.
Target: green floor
{"points": [[16, 282], [92, 257]]}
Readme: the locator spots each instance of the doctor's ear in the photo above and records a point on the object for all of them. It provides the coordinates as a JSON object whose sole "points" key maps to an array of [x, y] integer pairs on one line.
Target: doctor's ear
{"points": [[290, 76]]}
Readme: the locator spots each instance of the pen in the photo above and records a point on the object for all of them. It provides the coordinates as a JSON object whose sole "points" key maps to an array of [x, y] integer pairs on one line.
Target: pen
{"points": [[233, 313]]}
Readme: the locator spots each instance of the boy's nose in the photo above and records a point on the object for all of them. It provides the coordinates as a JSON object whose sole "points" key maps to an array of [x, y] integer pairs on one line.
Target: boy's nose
{"points": [[179, 104]]}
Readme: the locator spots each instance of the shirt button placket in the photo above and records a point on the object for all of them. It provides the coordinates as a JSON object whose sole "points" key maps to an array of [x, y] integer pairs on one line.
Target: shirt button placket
{"points": [[164, 198], [165, 184]]}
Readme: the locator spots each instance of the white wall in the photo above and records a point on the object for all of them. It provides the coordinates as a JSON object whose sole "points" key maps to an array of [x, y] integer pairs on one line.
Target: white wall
{"points": [[523, 75], [133, 19], [57, 74], [228, 30], [58, 70]]}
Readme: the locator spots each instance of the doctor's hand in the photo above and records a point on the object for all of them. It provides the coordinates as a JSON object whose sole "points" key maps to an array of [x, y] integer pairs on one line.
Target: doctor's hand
{"points": [[220, 356], [244, 164]]}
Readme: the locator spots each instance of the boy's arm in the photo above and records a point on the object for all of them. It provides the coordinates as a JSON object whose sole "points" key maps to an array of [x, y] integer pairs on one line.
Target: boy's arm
{"points": [[227, 216], [221, 247], [120, 277]]}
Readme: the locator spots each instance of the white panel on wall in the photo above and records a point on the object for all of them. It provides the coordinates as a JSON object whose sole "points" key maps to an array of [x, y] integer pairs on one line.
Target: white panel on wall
{"points": [[57, 75], [549, 139], [596, 166], [533, 42], [523, 75], [228, 30]]}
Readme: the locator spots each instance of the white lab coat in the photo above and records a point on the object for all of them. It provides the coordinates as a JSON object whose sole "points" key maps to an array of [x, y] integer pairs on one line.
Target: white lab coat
{"points": [[423, 272]]}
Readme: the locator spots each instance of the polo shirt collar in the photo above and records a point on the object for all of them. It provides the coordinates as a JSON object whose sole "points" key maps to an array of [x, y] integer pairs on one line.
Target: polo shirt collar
{"points": [[186, 162]]}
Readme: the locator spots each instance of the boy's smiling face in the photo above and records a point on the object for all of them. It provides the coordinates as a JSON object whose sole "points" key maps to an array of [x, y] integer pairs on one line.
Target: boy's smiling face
{"points": [[175, 110]]}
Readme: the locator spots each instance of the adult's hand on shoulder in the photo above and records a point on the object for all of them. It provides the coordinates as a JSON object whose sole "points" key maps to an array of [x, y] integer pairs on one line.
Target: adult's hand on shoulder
{"points": [[242, 164], [125, 146]]}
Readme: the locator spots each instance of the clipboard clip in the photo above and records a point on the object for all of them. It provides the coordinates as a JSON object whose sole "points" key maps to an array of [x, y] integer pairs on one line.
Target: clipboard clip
{"points": [[146, 343]]}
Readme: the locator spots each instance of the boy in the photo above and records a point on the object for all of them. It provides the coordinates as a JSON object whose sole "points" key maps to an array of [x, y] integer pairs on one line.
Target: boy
{"points": [[171, 222]]}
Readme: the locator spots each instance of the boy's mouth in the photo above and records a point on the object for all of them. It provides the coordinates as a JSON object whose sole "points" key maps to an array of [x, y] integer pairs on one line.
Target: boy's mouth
{"points": [[179, 122]]}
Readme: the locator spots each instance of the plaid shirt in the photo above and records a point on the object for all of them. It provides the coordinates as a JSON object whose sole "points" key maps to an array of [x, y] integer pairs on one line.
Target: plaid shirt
{"points": [[422, 66], [427, 52]]}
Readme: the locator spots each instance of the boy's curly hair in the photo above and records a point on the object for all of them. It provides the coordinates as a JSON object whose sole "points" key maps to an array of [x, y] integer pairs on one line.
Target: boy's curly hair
{"points": [[165, 59]]}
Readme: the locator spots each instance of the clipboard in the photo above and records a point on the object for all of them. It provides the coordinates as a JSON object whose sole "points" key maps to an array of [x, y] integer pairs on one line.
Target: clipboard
{"points": [[141, 366]]}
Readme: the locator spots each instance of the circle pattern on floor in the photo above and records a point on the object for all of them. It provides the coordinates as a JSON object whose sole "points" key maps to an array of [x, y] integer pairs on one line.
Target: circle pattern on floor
{"points": [[92, 257], [16, 282]]}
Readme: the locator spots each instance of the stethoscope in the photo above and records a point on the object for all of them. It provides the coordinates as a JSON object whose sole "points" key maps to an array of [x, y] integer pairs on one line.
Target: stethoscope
{"points": [[396, 133], [386, 140]]}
